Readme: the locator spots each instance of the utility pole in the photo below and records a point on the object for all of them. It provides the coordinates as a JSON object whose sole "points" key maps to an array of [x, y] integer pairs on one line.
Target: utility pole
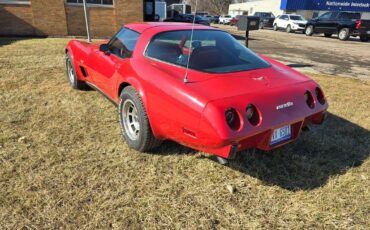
{"points": [[87, 21]]}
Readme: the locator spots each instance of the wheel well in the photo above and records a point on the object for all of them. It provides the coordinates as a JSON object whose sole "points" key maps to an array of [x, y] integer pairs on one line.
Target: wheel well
{"points": [[341, 27], [66, 50], [121, 87]]}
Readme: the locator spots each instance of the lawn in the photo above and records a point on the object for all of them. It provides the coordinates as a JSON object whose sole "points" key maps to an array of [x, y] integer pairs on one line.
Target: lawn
{"points": [[63, 163]]}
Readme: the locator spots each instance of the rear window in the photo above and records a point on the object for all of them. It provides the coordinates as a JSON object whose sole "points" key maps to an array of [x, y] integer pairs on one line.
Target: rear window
{"points": [[210, 51], [346, 15]]}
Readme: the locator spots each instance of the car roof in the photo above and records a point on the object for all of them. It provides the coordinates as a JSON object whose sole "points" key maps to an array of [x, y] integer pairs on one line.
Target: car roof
{"points": [[140, 27]]}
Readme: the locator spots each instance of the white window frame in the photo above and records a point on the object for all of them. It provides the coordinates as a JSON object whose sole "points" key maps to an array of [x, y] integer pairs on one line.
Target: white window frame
{"points": [[89, 4], [15, 2]]}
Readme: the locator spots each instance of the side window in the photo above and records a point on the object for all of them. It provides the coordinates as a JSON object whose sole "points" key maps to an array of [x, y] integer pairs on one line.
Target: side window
{"points": [[325, 16], [346, 15], [123, 43]]}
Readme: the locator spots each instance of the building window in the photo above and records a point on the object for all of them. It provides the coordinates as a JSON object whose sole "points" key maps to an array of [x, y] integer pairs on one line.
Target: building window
{"points": [[27, 2], [94, 2]]}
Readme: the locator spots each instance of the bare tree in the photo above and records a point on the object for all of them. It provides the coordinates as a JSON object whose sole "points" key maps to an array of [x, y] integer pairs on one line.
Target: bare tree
{"points": [[217, 7]]}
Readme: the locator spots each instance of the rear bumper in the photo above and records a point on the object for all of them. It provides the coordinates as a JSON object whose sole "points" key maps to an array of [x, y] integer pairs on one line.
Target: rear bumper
{"points": [[228, 148]]}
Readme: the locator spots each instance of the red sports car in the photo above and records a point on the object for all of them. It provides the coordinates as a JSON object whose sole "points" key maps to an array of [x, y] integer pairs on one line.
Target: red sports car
{"points": [[204, 89]]}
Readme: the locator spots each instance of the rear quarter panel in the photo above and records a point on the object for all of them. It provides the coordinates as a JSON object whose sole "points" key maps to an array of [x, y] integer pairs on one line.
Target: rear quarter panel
{"points": [[79, 50]]}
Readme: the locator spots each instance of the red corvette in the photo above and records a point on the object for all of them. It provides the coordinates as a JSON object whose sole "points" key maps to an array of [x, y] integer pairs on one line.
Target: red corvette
{"points": [[203, 89]]}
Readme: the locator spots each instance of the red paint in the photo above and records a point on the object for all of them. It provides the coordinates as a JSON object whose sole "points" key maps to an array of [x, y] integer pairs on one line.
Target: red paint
{"points": [[193, 114]]}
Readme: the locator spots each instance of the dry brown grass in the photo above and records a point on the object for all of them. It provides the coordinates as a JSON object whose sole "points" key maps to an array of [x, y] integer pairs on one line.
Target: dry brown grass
{"points": [[63, 163]]}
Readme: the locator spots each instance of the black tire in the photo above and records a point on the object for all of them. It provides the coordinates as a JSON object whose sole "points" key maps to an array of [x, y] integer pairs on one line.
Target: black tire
{"points": [[275, 27], [261, 26], [327, 35], [145, 140], [288, 29], [72, 75], [364, 38], [343, 34], [309, 30]]}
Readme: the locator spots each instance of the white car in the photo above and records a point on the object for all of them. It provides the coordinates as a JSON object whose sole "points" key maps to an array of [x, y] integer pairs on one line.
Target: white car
{"points": [[290, 23], [225, 19]]}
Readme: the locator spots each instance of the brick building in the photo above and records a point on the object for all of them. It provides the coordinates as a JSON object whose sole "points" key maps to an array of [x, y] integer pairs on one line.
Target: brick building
{"points": [[66, 17]]}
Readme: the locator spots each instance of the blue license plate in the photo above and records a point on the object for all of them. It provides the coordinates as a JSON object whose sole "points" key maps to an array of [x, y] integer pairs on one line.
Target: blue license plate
{"points": [[281, 134]]}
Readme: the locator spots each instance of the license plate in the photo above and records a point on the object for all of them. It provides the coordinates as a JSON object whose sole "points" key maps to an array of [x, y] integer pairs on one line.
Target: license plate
{"points": [[281, 134]]}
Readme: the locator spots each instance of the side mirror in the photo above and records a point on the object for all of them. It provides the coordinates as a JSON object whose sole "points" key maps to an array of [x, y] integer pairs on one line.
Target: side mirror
{"points": [[104, 48]]}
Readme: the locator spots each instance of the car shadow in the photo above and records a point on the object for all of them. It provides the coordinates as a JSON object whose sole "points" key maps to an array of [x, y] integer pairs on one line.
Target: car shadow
{"points": [[172, 148], [326, 151]]}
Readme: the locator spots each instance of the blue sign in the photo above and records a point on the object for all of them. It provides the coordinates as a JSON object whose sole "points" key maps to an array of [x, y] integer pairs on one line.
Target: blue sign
{"points": [[326, 5]]}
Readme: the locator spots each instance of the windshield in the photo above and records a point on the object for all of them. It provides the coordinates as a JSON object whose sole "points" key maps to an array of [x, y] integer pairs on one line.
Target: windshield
{"points": [[267, 15], [210, 51], [296, 18]]}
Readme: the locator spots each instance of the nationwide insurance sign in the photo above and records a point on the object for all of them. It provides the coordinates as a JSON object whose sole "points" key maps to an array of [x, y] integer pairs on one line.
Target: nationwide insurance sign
{"points": [[327, 5]]}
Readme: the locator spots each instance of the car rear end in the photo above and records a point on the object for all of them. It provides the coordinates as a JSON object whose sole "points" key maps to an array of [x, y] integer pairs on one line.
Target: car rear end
{"points": [[363, 29], [268, 22], [252, 121]]}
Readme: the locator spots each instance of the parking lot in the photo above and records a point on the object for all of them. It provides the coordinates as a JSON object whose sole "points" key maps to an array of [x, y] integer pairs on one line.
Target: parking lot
{"points": [[315, 54]]}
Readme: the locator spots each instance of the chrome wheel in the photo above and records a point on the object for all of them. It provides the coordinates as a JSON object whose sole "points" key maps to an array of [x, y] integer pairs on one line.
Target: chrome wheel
{"points": [[71, 74], [343, 34], [309, 31], [130, 120]]}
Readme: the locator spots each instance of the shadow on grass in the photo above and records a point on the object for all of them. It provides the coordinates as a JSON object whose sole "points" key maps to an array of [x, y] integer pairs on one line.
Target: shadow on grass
{"points": [[10, 40], [328, 150]]}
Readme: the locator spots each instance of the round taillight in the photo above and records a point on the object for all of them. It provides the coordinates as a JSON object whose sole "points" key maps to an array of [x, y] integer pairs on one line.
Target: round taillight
{"points": [[320, 96], [232, 119], [253, 115], [309, 99]]}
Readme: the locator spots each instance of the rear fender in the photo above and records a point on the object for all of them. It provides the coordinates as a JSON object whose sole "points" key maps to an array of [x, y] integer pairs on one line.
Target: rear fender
{"points": [[137, 85], [75, 55]]}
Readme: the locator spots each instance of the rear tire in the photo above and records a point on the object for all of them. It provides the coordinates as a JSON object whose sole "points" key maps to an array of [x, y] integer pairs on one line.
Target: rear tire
{"points": [[309, 30], [328, 35], [343, 34], [364, 38], [275, 27], [134, 122], [72, 75]]}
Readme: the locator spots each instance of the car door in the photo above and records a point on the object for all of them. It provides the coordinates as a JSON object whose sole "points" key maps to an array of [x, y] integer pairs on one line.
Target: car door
{"points": [[323, 23], [106, 64], [332, 24], [283, 21]]}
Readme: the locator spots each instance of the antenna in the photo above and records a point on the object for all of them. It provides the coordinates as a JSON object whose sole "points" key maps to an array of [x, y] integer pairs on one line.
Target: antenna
{"points": [[186, 78]]}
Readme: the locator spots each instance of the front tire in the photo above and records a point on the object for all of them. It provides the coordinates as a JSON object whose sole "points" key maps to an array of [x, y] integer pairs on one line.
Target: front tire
{"points": [[288, 29], [134, 122], [343, 34], [309, 30], [275, 27], [72, 75]]}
